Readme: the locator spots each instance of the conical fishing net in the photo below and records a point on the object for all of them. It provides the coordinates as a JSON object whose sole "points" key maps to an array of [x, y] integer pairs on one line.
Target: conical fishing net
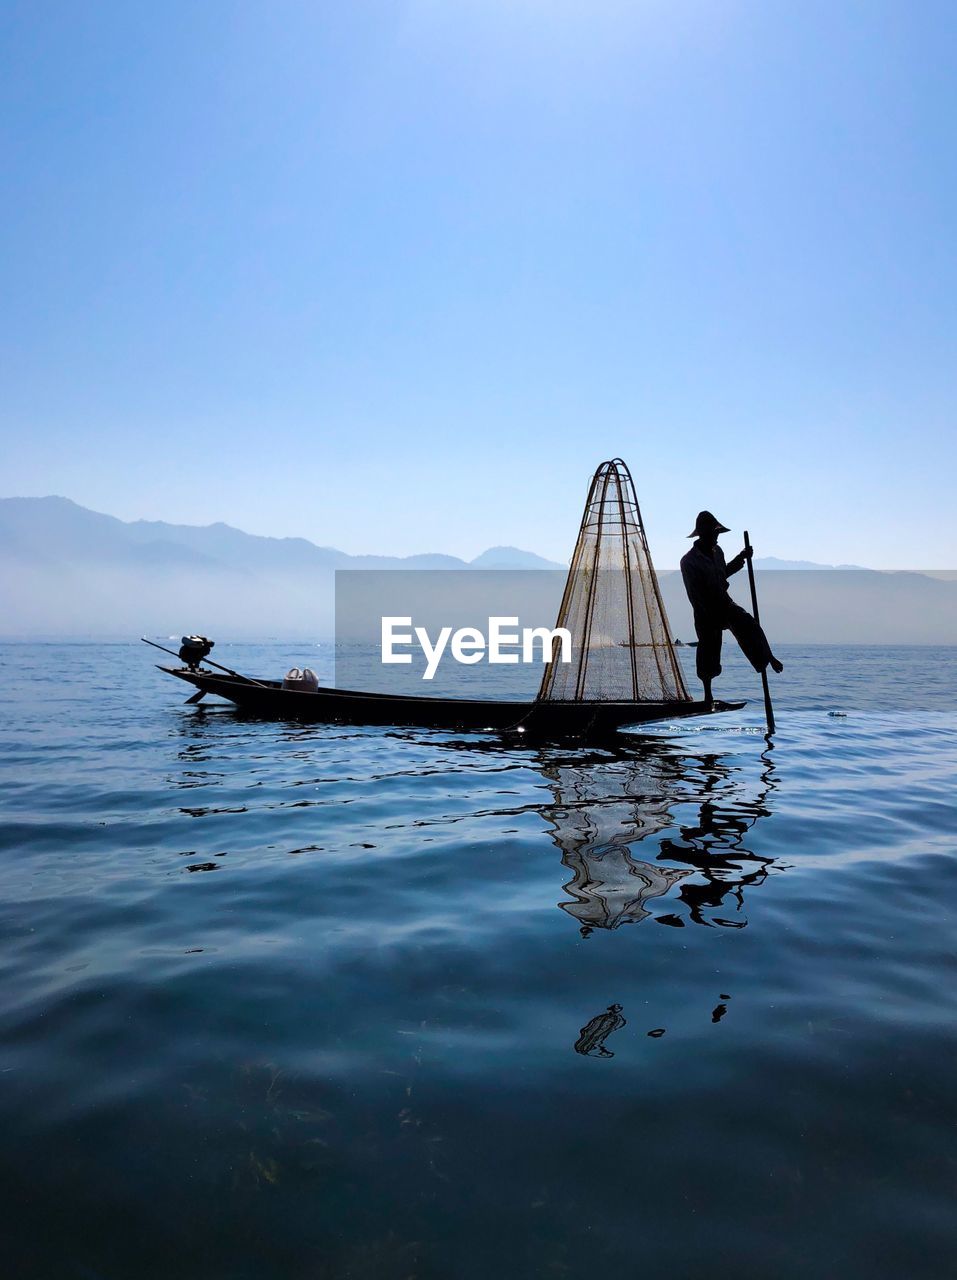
{"points": [[612, 607]]}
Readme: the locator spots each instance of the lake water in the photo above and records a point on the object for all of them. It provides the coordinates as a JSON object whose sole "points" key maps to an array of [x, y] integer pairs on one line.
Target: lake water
{"points": [[307, 1002]]}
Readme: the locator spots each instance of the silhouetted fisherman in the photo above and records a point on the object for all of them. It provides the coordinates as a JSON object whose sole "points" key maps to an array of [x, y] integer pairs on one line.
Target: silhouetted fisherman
{"points": [[591, 1040], [705, 573]]}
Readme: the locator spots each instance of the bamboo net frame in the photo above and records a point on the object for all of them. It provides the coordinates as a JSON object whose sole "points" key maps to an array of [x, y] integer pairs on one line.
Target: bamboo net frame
{"points": [[621, 641]]}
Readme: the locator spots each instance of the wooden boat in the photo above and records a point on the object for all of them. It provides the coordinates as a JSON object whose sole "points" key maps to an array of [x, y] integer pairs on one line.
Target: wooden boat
{"points": [[269, 699], [624, 669]]}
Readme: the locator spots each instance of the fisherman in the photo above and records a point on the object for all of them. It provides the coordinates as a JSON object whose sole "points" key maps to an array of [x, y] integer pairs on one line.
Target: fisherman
{"points": [[705, 574]]}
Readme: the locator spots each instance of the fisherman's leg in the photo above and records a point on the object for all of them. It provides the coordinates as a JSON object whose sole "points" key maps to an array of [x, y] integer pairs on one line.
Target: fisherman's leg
{"points": [[750, 636], [707, 655]]}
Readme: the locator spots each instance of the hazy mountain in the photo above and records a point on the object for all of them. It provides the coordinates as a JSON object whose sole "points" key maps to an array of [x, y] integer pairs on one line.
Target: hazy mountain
{"points": [[513, 558], [65, 570], [772, 562]]}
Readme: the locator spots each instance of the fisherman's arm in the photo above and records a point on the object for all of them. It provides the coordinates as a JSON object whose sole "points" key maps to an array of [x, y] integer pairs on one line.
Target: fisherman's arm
{"points": [[733, 566]]}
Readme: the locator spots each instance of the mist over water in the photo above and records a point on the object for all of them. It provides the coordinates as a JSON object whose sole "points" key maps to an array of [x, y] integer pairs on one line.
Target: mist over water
{"points": [[68, 572], [307, 1001]]}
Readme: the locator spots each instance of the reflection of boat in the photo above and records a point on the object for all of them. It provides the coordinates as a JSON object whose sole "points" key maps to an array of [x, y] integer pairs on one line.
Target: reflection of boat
{"points": [[623, 668], [605, 805]]}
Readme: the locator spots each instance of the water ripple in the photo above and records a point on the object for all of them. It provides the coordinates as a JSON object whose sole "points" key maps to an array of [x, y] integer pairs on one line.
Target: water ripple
{"points": [[321, 1002]]}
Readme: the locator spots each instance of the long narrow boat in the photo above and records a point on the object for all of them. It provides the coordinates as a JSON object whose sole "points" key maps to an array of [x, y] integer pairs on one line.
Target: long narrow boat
{"points": [[624, 669], [269, 699]]}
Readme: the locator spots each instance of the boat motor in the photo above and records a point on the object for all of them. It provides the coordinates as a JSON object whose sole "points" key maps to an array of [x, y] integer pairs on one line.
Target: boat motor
{"points": [[194, 649]]}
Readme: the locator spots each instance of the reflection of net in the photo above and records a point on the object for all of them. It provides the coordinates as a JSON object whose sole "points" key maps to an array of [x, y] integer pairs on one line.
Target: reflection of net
{"points": [[608, 802], [601, 809], [610, 888], [621, 644]]}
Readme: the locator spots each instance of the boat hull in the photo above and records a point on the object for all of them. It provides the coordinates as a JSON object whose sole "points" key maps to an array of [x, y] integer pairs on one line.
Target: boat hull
{"points": [[267, 698]]}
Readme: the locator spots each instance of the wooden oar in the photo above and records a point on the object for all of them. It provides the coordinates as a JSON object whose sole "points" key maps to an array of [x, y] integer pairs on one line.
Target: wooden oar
{"points": [[768, 709]]}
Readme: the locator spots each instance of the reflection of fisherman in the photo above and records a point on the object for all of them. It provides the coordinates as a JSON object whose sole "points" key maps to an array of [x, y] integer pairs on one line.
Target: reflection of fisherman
{"points": [[705, 575], [607, 808]]}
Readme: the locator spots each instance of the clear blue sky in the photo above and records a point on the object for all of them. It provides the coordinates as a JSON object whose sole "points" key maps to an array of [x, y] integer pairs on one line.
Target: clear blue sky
{"points": [[395, 276]]}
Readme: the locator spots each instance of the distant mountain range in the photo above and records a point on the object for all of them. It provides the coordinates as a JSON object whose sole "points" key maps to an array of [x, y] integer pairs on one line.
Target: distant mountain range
{"points": [[772, 562], [66, 570], [46, 529]]}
